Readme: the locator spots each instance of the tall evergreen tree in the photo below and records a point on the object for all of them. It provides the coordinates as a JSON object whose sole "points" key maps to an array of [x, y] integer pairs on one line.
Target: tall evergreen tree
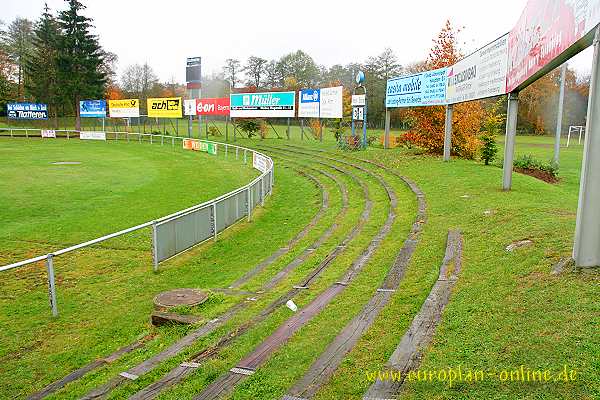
{"points": [[41, 67], [17, 43], [79, 61]]}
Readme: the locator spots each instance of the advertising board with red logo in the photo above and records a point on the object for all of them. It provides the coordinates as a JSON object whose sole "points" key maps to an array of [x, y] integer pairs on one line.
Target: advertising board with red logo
{"points": [[212, 106], [545, 30]]}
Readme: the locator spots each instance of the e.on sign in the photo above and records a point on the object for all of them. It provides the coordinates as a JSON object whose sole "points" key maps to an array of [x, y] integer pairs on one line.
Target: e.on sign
{"points": [[214, 106]]}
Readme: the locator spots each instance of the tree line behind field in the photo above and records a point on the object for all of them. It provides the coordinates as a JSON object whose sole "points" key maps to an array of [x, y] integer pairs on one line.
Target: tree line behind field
{"points": [[58, 60]]}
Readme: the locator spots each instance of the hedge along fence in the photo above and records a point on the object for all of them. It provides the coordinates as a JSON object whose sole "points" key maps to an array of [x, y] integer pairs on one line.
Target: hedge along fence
{"points": [[177, 232]]}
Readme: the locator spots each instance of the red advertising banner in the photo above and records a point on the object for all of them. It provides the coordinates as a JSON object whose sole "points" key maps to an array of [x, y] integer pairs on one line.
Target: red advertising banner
{"points": [[544, 31], [215, 106]]}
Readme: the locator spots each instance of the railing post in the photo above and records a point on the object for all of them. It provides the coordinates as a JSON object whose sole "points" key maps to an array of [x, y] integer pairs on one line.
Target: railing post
{"points": [[245, 157], [237, 150], [154, 247], [226, 147], [151, 136], [249, 202], [51, 285], [214, 215], [127, 137], [162, 140], [117, 135], [172, 142]]}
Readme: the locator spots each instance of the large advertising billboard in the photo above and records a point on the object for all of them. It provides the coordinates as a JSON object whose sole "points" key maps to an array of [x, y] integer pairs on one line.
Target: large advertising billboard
{"points": [[213, 106], [308, 105], [481, 74], [165, 107], [92, 108], [331, 105], [422, 89], [544, 31], [265, 105], [125, 108], [27, 111]]}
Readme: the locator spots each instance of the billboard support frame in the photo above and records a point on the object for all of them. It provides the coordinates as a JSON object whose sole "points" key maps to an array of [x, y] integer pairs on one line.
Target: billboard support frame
{"points": [[587, 230], [509, 141], [448, 132]]}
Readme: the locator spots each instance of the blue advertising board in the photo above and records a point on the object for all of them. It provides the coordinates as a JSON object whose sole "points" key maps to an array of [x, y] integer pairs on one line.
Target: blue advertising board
{"points": [[92, 108], [266, 104], [27, 111], [310, 101], [422, 89]]}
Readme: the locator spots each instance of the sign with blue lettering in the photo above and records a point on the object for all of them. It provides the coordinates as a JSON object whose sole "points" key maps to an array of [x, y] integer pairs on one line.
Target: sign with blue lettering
{"points": [[263, 105], [310, 101], [92, 108], [27, 111], [422, 89]]}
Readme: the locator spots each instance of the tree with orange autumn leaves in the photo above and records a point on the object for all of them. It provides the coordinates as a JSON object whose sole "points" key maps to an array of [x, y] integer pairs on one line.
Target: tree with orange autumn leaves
{"points": [[427, 129]]}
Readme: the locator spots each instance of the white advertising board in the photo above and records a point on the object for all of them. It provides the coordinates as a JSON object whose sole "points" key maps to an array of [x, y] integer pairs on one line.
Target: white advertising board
{"points": [[358, 99], [331, 102], [189, 107], [48, 133], [260, 162], [92, 135], [479, 75]]}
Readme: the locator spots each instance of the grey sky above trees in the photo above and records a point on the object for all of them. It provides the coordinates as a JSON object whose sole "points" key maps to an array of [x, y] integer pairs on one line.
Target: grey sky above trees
{"points": [[322, 29]]}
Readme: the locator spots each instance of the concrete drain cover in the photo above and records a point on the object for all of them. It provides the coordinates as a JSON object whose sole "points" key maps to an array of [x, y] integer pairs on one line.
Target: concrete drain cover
{"points": [[66, 163], [179, 297]]}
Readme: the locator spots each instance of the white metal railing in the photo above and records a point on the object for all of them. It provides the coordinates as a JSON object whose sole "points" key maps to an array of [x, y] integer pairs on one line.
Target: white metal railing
{"points": [[266, 180]]}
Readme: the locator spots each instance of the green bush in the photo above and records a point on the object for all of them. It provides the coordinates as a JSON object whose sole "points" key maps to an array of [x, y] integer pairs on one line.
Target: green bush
{"points": [[529, 162], [489, 148], [250, 126]]}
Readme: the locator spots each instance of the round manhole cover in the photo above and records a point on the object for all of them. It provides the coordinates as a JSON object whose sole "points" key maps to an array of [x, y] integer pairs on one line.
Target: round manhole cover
{"points": [[180, 297]]}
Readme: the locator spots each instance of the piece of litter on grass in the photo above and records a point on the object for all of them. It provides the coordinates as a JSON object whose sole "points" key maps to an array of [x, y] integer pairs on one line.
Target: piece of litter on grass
{"points": [[488, 212], [519, 244], [465, 196], [291, 305]]}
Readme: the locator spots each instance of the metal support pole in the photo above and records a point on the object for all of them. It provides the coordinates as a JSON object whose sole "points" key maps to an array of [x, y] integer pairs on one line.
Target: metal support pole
{"points": [[509, 142], [561, 101], [234, 131], [320, 131], [302, 128], [586, 251], [287, 132], [386, 134], [51, 285], [227, 128], [249, 202], [154, 248], [214, 213], [448, 132], [190, 125]]}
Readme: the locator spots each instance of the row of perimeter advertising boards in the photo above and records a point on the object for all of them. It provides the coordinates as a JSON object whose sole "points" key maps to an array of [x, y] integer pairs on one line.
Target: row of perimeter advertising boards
{"points": [[312, 103], [259, 161], [545, 31]]}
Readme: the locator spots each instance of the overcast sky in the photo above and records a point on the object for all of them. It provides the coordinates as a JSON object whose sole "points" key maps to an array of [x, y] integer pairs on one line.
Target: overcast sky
{"points": [[164, 33]]}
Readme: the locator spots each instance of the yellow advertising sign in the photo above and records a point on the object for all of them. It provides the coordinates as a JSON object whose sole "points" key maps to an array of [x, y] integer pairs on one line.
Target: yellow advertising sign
{"points": [[167, 107], [124, 108]]}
